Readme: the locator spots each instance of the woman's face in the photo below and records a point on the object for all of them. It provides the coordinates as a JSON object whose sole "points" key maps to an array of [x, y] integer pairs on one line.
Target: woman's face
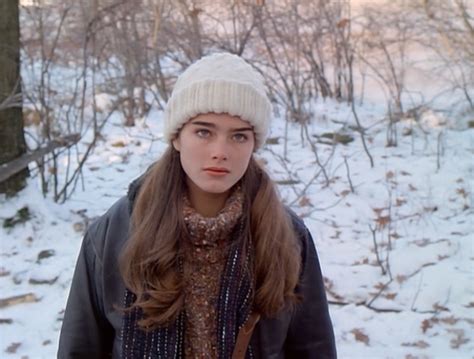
{"points": [[215, 151]]}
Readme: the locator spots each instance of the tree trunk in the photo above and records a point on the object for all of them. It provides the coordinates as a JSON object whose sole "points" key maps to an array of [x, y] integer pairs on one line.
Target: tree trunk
{"points": [[12, 138]]}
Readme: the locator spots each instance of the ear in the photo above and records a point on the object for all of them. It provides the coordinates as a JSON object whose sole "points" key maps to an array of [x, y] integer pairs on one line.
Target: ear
{"points": [[176, 144]]}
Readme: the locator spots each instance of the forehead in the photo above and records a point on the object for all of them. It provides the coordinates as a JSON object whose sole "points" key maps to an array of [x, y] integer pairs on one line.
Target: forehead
{"points": [[220, 120]]}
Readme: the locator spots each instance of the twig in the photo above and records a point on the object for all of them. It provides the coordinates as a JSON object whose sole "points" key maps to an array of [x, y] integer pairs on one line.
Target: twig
{"points": [[439, 150], [369, 305], [379, 261], [348, 174]]}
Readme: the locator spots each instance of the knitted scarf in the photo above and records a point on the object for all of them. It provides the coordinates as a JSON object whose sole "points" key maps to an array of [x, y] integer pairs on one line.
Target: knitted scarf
{"points": [[233, 309]]}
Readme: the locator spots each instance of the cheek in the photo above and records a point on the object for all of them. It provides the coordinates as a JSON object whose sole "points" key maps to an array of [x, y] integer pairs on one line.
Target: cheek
{"points": [[244, 161], [190, 157]]}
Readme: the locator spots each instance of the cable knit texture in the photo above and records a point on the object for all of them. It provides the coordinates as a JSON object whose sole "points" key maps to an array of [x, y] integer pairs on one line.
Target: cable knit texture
{"points": [[205, 256], [219, 83]]}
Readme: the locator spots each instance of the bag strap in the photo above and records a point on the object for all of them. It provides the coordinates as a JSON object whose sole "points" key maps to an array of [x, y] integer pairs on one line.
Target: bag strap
{"points": [[243, 338]]}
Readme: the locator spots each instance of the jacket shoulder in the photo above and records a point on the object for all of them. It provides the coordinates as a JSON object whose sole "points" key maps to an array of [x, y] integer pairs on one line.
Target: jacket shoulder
{"points": [[111, 229], [298, 224]]}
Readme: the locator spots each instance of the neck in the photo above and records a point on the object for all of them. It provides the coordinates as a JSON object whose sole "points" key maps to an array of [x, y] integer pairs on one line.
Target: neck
{"points": [[206, 204]]}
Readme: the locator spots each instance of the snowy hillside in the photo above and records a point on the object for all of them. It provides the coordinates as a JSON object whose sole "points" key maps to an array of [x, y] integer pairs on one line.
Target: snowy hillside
{"points": [[395, 241]]}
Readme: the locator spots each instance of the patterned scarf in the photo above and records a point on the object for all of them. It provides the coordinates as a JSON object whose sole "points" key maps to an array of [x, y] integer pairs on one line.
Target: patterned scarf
{"points": [[233, 309]]}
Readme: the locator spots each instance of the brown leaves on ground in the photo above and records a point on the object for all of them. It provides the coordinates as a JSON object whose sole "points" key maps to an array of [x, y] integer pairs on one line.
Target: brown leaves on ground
{"points": [[426, 324], [440, 308], [389, 175], [382, 221], [304, 201], [4, 272], [18, 299], [459, 338], [412, 188], [400, 278], [419, 344], [119, 143], [390, 296], [400, 202], [344, 193], [12, 348], [462, 192], [360, 336], [329, 286]]}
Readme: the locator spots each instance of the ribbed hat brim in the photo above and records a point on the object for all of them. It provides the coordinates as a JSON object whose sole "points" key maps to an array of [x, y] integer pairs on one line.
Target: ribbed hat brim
{"points": [[218, 96]]}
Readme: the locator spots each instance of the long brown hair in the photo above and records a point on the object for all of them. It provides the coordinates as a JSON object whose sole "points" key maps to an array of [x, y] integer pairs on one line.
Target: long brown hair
{"points": [[149, 261]]}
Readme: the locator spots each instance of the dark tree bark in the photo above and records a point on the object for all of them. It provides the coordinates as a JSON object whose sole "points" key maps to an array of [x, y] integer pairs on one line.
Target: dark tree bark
{"points": [[12, 138]]}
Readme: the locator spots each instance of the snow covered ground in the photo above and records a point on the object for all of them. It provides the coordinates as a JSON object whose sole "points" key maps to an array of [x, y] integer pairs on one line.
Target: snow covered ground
{"points": [[414, 300]]}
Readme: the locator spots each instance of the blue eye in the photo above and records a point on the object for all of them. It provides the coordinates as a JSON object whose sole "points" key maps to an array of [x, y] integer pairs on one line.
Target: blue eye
{"points": [[203, 133], [240, 137]]}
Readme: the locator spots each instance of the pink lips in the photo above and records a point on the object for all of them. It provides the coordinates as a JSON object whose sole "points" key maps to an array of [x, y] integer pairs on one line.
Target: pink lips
{"points": [[216, 171]]}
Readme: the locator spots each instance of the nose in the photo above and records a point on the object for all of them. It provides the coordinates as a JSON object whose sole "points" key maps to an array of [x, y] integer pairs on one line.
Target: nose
{"points": [[219, 150]]}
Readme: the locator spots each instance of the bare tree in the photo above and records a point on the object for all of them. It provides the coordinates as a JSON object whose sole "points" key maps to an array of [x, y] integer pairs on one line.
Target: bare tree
{"points": [[12, 139], [385, 39], [448, 30]]}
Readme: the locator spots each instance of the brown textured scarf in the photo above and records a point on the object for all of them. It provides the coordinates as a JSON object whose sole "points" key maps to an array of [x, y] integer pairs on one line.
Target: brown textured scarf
{"points": [[204, 259], [218, 292]]}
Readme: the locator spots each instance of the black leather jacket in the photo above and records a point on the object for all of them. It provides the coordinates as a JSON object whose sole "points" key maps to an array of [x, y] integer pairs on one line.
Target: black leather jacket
{"points": [[92, 326]]}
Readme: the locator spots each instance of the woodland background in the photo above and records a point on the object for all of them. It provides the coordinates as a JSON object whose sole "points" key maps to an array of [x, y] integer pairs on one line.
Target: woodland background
{"points": [[372, 145]]}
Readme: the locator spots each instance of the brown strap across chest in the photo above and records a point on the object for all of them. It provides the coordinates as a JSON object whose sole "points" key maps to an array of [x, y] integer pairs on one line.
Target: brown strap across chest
{"points": [[243, 338]]}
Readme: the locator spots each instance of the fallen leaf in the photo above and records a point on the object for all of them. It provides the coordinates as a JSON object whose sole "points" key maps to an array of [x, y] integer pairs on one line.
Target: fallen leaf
{"points": [[422, 242], [78, 227], [360, 336], [449, 320], [382, 221], [35, 281], [379, 285], [304, 201], [12, 348], [425, 325], [440, 308], [462, 192], [118, 144], [18, 299], [395, 235], [419, 344], [45, 254], [400, 201], [459, 338], [400, 278], [378, 211], [345, 192]]}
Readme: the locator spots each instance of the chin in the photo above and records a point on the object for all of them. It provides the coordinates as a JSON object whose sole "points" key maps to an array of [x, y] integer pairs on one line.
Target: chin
{"points": [[215, 188]]}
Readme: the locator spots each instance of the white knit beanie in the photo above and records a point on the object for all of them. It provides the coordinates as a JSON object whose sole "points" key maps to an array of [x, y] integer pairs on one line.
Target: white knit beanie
{"points": [[219, 83]]}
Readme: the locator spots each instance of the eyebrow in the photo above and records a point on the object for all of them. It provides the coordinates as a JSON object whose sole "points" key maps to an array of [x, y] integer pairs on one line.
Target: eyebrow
{"points": [[212, 125]]}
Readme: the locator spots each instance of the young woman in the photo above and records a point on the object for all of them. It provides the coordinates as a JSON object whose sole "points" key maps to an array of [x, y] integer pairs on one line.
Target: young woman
{"points": [[201, 259]]}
